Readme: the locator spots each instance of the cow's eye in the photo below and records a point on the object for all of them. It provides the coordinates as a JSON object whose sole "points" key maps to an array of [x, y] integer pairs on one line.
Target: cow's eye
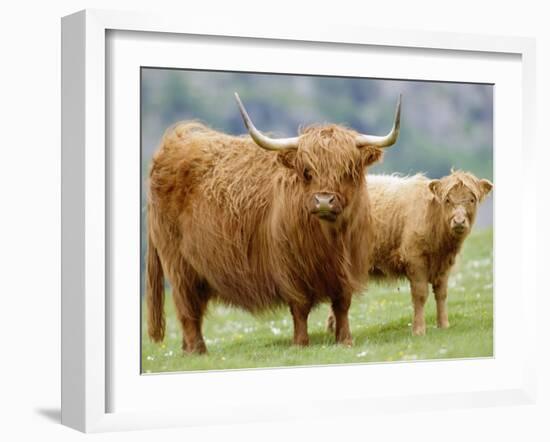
{"points": [[307, 175], [447, 201], [472, 201]]}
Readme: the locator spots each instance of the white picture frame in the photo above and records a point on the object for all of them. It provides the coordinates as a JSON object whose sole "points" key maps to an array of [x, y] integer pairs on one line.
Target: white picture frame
{"points": [[86, 202]]}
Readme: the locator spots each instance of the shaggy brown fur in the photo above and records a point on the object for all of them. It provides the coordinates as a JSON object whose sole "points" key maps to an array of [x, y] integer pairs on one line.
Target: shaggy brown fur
{"points": [[229, 220], [419, 227]]}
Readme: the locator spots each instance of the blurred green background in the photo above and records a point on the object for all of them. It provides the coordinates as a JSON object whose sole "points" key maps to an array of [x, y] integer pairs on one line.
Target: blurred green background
{"points": [[443, 125]]}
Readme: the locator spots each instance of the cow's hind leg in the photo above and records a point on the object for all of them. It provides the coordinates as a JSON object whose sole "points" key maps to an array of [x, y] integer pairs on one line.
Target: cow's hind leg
{"points": [[191, 298], [340, 309], [300, 313]]}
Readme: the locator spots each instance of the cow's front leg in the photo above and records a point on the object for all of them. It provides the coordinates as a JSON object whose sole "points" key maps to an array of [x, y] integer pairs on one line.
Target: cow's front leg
{"points": [[340, 309], [440, 293], [300, 312], [419, 292]]}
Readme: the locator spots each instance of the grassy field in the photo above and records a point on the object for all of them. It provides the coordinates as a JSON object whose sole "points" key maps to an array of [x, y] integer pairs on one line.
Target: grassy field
{"points": [[380, 323]]}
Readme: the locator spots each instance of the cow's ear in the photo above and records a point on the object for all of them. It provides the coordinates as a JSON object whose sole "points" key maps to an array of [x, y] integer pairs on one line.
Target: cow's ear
{"points": [[485, 186], [435, 188], [287, 158], [372, 155]]}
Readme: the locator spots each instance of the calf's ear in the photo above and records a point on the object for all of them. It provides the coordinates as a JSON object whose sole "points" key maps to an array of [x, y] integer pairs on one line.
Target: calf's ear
{"points": [[485, 186], [435, 188]]}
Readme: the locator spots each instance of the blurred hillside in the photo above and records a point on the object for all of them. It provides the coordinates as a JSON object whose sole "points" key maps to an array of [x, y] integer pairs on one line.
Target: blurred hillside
{"points": [[444, 125]]}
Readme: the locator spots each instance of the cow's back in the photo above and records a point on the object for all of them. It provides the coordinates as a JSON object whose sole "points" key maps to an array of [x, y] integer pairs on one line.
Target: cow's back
{"points": [[210, 198]]}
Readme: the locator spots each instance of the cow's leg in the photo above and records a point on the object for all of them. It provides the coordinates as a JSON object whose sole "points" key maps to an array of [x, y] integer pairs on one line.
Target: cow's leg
{"points": [[300, 312], [419, 292], [190, 298], [193, 339], [340, 308], [440, 293], [331, 321]]}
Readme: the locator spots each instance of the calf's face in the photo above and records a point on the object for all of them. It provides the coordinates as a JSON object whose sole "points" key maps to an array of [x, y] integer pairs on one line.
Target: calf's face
{"points": [[460, 210], [459, 195]]}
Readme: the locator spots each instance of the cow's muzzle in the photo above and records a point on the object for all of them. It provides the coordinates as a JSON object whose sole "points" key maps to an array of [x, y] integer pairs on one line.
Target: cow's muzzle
{"points": [[327, 206]]}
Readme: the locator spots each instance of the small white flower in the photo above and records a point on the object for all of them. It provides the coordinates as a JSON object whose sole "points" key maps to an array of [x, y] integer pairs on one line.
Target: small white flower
{"points": [[363, 353]]}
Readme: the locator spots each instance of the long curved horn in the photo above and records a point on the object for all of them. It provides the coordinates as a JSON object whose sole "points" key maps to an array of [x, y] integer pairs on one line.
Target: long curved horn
{"points": [[385, 141], [262, 140]]}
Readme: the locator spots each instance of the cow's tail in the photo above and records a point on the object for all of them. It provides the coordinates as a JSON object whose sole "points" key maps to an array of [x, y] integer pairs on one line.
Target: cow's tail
{"points": [[155, 293]]}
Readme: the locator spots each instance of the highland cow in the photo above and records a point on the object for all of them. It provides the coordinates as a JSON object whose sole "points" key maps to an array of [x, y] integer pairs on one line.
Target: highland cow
{"points": [[257, 222], [419, 226]]}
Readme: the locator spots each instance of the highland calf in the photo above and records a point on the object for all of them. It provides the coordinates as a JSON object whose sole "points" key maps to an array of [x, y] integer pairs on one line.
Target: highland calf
{"points": [[257, 222], [419, 226]]}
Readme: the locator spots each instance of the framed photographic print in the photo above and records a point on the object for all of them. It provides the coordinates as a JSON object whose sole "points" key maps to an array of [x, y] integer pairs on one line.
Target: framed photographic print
{"points": [[458, 115], [283, 223]]}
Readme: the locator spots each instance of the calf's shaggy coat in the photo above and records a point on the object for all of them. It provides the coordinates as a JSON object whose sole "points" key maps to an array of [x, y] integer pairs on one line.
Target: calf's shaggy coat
{"points": [[419, 226], [228, 220]]}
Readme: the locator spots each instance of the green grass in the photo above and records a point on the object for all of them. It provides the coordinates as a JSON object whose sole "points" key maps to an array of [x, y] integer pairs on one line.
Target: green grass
{"points": [[380, 323]]}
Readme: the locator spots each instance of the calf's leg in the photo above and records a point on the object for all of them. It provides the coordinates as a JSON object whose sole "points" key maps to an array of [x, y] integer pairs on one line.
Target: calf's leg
{"points": [[419, 292], [300, 313], [440, 292]]}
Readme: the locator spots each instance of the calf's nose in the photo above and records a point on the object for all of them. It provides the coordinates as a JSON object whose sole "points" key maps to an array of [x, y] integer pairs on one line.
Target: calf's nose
{"points": [[460, 220]]}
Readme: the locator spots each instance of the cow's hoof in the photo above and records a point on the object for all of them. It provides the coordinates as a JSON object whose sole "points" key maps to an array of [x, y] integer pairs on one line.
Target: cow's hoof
{"points": [[346, 342], [198, 348], [444, 324], [420, 331], [301, 342]]}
